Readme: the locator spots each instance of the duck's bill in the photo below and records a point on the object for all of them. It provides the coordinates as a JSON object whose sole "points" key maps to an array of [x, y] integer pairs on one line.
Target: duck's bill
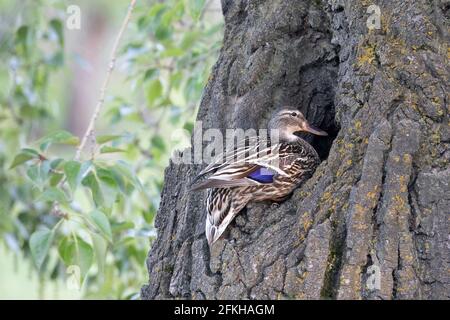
{"points": [[314, 130]]}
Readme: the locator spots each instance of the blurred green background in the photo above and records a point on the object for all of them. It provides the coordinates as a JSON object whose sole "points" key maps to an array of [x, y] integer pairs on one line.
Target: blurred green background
{"points": [[70, 228]]}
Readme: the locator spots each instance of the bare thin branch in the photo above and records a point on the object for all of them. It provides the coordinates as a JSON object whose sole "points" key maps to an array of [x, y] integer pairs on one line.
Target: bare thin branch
{"points": [[90, 129]]}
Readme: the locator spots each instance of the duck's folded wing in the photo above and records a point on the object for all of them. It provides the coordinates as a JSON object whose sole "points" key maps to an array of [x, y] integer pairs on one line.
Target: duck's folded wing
{"points": [[230, 176], [253, 151], [253, 173], [233, 168], [238, 154], [213, 183]]}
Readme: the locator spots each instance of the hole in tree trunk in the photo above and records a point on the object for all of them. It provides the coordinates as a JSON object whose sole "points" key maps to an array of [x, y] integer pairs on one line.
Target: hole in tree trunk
{"points": [[320, 143], [316, 94], [323, 144]]}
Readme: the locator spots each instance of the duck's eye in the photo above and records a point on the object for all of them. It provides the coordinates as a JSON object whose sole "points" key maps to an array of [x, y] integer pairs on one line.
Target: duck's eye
{"points": [[294, 114]]}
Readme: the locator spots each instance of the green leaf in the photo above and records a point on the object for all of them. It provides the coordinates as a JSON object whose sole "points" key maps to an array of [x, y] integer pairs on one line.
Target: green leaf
{"points": [[56, 163], [57, 59], [24, 38], [176, 79], [122, 181], [91, 182], [57, 27], [143, 23], [172, 52], [189, 126], [193, 89], [158, 142], [189, 39], [173, 14], [64, 251], [149, 215], [40, 242], [100, 248], [108, 185], [156, 10], [55, 178], [22, 34], [108, 149], [150, 73], [76, 251], [44, 169], [33, 174], [84, 255], [159, 17], [75, 171], [125, 170], [102, 222], [195, 8], [154, 91], [121, 226], [162, 32], [23, 156], [53, 194], [107, 138], [72, 170], [107, 176], [60, 136]]}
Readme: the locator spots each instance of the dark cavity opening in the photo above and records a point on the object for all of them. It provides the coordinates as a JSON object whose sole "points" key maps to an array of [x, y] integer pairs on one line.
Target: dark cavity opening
{"points": [[328, 124], [315, 97], [323, 144]]}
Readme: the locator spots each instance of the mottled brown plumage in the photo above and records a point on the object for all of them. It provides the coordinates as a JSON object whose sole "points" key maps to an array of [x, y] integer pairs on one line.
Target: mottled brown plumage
{"points": [[265, 171]]}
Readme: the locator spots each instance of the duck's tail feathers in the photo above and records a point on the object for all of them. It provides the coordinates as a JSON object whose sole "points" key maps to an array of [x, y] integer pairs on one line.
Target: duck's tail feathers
{"points": [[213, 232], [214, 229]]}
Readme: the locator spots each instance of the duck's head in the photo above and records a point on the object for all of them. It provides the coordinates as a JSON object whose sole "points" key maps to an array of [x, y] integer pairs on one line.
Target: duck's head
{"points": [[289, 122]]}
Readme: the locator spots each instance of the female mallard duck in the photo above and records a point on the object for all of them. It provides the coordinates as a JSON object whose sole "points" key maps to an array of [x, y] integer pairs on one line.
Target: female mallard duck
{"points": [[258, 171]]}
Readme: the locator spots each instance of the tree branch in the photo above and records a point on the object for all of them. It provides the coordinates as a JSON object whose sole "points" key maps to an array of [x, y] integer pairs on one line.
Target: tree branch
{"points": [[90, 129]]}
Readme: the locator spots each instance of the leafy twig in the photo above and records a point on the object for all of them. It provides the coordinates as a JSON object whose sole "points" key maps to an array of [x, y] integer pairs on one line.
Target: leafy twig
{"points": [[90, 129]]}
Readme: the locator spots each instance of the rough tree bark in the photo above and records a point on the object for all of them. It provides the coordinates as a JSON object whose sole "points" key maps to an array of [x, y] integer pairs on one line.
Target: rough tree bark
{"points": [[380, 200]]}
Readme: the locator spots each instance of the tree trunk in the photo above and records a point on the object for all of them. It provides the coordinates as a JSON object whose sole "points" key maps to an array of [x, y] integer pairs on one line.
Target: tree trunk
{"points": [[373, 221]]}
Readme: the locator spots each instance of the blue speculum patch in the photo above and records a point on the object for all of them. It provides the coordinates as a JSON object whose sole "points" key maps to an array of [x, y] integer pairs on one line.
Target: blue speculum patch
{"points": [[262, 175]]}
